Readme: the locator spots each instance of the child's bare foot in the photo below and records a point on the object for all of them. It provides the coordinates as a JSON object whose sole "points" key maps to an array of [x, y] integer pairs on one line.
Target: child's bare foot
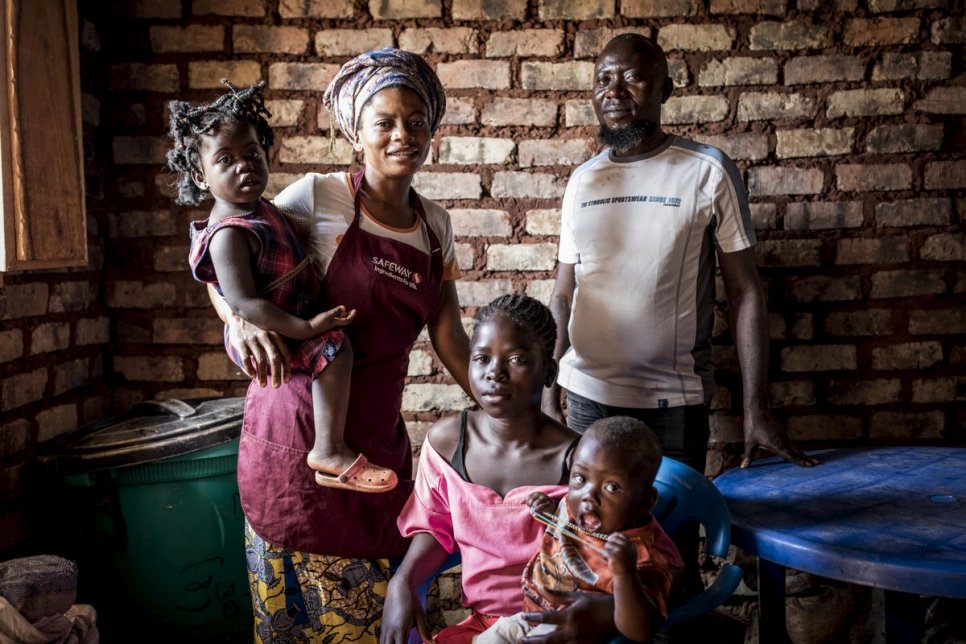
{"points": [[345, 470], [334, 461]]}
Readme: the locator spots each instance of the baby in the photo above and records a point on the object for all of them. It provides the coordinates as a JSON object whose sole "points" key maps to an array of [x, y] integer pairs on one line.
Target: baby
{"points": [[602, 537]]}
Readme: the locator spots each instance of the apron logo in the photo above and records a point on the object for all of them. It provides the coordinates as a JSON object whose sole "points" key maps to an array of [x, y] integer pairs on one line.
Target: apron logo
{"points": [[397, 272]]}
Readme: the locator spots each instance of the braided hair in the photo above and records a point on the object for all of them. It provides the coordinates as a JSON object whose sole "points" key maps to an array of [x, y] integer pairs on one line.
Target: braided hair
{"points": [[189, 123], [528, 314]]}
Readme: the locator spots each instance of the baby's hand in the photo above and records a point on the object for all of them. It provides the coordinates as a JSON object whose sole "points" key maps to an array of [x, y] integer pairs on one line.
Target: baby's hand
{"points": [[621, 554], [327, 320], [540, 502]]}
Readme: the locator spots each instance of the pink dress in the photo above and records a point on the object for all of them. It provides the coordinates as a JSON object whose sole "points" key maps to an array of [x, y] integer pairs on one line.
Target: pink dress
{"points": [[495, 535]]}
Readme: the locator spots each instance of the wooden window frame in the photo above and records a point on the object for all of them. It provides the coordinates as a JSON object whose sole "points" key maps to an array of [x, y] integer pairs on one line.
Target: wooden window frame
{"points": [[44, 223]]}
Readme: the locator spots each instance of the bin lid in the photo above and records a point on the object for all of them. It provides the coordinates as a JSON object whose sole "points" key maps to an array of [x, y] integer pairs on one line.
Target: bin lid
{"points": [[150, 431]]}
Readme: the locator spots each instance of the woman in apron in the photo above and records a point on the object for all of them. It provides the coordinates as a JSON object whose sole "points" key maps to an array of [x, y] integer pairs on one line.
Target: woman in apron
{"points": [[318, 557]]}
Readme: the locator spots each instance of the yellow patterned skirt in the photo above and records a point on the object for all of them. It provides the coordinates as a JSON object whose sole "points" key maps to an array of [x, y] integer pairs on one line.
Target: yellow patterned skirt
{"points": [[303, 597]]}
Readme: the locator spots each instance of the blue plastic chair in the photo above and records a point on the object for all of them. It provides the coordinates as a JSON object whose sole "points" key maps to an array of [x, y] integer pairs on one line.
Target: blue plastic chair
{"points": [[687, 496], [684, 496]]}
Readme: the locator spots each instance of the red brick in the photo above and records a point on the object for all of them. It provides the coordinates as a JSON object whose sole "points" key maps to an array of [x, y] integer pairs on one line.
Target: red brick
{"points": [[189, 39], [815, 427], [865, 392], [400, 9], [351, 42], [908, 283], [269, 40], [875, 32], [787, 35], [245, 8], [569, 10], [865, 322], [454, 40], [825, 288], [304, 76], [691, 37], [486, 74], [854, 177], [489, 10], [829, 357], [906, 425], [525, 43], [879, 250], [315, 9]]}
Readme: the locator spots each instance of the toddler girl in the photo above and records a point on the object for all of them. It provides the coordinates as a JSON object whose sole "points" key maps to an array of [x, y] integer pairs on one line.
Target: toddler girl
{"points": [[249, 252]]}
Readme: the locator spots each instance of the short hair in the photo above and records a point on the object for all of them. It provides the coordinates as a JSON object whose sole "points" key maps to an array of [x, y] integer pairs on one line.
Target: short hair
{"points": [[641, 44], [189, 122], [527, 313], [634, 440]]}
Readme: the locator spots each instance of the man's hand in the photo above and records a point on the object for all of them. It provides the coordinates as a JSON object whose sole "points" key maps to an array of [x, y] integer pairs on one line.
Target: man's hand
{"points": [[585, 618], [263, 353], [762, 431]]}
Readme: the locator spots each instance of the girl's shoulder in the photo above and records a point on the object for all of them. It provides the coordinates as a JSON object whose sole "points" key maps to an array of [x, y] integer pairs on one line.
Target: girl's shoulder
{"points": [[444, 435]]}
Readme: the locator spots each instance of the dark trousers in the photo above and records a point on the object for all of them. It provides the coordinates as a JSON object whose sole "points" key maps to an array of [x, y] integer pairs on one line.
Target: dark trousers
{"points": [[683, 432]]}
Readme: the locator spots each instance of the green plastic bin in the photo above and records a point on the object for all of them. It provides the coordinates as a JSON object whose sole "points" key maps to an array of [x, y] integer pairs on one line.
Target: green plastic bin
{"points": [[160, 528]]}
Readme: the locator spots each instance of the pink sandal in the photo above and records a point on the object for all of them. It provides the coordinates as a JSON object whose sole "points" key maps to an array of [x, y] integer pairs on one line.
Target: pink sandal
{"points": [[361, 476]]}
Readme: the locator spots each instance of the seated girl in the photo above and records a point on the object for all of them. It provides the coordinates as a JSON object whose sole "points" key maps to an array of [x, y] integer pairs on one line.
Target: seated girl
{"points": [[477, 471]]}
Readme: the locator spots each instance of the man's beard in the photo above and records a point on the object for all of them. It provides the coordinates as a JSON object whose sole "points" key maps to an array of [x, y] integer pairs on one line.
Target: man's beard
{"points": [[628, 137]]}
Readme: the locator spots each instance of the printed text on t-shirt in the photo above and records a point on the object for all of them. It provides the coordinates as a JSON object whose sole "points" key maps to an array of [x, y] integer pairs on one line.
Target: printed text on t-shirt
{"points": [[664, 201]]}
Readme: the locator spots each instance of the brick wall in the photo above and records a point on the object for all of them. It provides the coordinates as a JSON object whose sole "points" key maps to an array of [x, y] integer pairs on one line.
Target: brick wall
{"points": [[845, 117]]}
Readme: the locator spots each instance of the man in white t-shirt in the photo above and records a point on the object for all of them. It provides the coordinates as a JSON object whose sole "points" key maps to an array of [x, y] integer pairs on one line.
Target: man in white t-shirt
{"points": [[643, 225]]}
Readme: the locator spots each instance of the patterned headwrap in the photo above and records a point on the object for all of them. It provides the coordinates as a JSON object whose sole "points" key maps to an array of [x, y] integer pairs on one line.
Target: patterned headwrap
{"points": [[363, 76]]}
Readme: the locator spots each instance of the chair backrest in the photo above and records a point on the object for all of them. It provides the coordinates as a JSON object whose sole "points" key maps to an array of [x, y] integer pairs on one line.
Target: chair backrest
{"points": [[687, 496], [684, 496]]}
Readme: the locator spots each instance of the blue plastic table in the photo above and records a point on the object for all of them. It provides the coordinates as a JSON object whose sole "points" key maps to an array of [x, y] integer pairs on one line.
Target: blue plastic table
{"points": [[892, 518]]}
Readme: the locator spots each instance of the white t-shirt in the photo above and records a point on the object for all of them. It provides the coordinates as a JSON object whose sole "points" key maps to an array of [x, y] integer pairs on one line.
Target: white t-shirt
{"points": [[642, 234], [324, 204]]}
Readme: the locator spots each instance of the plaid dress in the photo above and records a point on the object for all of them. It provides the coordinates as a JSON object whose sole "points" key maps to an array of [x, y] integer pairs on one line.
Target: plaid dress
{"points": [[283, 274]]}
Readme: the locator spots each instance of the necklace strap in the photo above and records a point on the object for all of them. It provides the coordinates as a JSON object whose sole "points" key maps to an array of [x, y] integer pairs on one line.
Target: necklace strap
{"points": [[571, 529]]}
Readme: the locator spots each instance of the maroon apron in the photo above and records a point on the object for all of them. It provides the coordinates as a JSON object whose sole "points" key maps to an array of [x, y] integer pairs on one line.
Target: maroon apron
{"points": [[396, 290]]}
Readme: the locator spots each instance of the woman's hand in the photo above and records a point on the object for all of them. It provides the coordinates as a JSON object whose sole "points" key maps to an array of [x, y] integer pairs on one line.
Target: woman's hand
{"points": [[585, 618], [399, 612], [263, 353]]}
